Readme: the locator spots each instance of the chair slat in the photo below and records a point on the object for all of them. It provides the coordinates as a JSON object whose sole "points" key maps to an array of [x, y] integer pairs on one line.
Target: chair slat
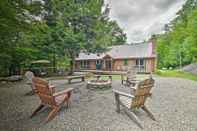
{"points": [[142, 92]]}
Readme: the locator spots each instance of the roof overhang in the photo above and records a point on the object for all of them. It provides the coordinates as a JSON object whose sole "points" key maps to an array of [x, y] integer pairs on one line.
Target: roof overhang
{"points": [[107, 56]]}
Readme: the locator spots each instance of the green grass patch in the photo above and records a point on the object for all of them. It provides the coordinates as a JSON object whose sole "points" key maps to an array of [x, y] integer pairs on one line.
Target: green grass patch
{"points": [[118, 77], [175, 73], [103, 77]]}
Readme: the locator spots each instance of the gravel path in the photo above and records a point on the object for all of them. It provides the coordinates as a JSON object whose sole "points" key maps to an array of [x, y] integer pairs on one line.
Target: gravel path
{"points": [[174, 104]]}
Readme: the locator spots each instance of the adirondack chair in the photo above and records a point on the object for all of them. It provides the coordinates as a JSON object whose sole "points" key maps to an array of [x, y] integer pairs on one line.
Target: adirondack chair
{"points": [[130, 102], [49, 98], [131, 76], [29, 76]]}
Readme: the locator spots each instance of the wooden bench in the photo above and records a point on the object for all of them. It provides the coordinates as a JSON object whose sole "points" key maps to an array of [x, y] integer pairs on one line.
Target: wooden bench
{"points": [[70, 78]]}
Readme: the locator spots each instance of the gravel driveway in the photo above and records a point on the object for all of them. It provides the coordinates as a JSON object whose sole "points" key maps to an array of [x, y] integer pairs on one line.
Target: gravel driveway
{"points": [[174, 104]]}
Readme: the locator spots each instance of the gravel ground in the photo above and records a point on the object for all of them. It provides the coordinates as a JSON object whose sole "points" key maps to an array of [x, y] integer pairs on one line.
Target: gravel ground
{"points": [[174, 104]]}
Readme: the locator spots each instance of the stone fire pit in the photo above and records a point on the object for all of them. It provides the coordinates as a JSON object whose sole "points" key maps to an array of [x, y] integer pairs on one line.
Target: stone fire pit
{"points": [[98, 84]]}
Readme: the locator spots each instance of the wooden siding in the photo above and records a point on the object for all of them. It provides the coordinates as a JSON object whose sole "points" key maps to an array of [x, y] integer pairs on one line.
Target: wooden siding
{"points": [[92, 65], [119, 65]]}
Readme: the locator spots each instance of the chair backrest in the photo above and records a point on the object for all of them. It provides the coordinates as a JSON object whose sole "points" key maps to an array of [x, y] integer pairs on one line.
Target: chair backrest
{"points": [[29, 75], [43, 91], [142, 92], [131, 73]]}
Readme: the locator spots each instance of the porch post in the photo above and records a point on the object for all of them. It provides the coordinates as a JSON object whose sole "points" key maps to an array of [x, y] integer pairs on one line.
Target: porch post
{"points": [[111, 64], [103, 64]]}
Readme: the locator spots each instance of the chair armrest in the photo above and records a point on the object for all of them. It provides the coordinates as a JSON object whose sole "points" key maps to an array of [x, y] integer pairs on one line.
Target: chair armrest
{"points": [[134, 80], [63, 92], [123, 94], [52, 88], [133, 87], [132, 77]]}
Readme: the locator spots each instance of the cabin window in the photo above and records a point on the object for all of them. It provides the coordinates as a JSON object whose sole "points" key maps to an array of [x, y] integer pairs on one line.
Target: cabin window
{"points": [[125, 61], [140, 62], [140, 65], [84, 64], [98, 62]]}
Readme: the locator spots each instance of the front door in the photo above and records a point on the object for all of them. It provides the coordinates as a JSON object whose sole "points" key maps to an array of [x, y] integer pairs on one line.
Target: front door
{"points": [[108, 64]]}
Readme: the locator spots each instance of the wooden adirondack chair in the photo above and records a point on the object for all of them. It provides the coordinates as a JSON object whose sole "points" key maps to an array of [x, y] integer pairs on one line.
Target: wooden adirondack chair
{"points": [[135, 101], [29, 76], [49, 98], [131, 77]]}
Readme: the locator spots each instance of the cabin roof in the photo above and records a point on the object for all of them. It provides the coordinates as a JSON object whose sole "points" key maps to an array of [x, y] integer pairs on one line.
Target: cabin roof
{"points": [[140, 50]]}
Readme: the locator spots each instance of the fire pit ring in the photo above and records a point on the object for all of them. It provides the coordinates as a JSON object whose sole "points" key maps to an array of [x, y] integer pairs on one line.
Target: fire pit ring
{"points": [[98, 84]]}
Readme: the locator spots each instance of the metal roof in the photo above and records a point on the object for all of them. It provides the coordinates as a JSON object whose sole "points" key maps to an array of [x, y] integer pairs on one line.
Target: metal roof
{"points": [[140, 50]]}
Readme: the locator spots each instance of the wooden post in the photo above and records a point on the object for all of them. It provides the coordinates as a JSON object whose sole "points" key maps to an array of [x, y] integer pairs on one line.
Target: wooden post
{"points": [[110, 77], [180, 60], [111, 64], [117, 102], [104, 66], [83, 78], [98, 77], [122, 79], [69, 81]]}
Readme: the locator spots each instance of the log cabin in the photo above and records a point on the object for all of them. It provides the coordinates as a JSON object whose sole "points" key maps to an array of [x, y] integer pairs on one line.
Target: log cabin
{"points": [[142, 56]]}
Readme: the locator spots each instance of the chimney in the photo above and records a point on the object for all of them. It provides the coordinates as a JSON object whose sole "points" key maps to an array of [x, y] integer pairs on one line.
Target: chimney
{"points": [[152, 43]]}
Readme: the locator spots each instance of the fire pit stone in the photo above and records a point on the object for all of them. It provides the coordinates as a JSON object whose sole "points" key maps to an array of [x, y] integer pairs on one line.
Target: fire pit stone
{"points": [[99, 84]]}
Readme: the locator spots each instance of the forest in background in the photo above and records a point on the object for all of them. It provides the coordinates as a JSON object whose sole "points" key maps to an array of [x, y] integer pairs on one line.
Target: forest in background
{"points": [[178, 45], [55, 30]]}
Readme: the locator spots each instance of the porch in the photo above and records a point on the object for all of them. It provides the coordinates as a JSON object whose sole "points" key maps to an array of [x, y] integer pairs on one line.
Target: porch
{"points": [[109, 64]]}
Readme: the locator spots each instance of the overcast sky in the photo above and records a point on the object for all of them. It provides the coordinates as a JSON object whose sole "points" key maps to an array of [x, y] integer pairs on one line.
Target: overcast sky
{"points": [[141, 18]]}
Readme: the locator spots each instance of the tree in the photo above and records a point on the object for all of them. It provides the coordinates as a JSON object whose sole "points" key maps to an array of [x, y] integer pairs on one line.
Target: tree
{"points": [[178, 45], [53, 29], [80, 25], [15, 18]]}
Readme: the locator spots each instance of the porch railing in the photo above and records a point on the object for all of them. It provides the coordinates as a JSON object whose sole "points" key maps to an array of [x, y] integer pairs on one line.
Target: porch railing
{"points": [[140, 68]]}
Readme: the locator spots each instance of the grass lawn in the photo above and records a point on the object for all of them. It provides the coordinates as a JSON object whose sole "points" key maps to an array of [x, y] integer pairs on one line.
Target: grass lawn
{"points": [[118, 77], [105, 77], [175, 73]]}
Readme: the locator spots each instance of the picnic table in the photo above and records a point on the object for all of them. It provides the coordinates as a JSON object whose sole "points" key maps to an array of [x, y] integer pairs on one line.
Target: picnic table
{"points": [[70, 78]]}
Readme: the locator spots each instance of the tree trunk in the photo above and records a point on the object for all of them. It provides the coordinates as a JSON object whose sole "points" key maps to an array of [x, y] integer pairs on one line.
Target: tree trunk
{"points": [[54, 63], [180, 60], [72, 65]]}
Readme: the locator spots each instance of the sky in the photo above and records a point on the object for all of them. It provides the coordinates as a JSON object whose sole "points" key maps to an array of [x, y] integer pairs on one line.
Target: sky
{"points": [[141, 18]]}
